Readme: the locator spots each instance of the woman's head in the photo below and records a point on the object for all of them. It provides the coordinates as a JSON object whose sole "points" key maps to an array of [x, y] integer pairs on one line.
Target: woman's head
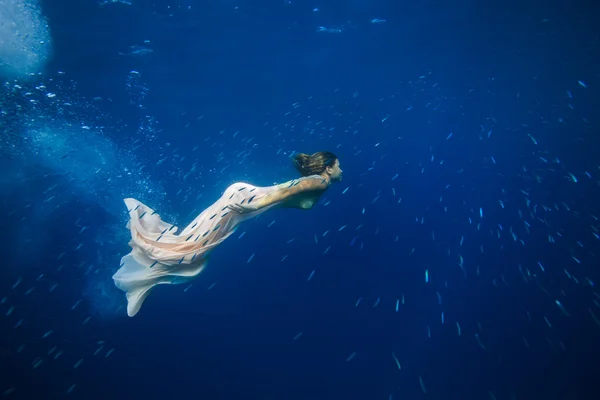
{"points": [[320, 163]]}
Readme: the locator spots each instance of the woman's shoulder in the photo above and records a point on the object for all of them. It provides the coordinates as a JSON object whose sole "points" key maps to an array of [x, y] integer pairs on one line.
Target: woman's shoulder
{"points": [[318, 178], [314, 182], [310, 182]]}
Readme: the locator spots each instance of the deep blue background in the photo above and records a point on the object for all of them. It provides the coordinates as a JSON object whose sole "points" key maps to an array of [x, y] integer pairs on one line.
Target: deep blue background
{"points": [[497, 64]]}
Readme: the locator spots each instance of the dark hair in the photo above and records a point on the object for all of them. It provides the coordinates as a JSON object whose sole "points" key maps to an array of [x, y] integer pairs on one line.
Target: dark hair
{"points": [[314, 164]]}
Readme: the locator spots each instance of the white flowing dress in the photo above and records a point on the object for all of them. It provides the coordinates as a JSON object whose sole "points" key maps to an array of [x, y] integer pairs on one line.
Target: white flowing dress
{"points": [[160, 256]]}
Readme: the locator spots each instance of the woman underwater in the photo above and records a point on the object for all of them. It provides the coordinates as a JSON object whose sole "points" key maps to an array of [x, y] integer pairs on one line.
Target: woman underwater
{"points": [[159, 256]]}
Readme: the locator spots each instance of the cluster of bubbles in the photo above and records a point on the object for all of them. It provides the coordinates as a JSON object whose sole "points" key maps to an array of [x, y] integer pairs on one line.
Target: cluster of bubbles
{"points": [[25, 41]]}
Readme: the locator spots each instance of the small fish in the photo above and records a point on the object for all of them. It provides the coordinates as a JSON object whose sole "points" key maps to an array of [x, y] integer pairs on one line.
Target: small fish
{"points": [[397, 362], [376, 302], [479, 341], [19, 280], [71, 388], [532, 139], [422, 385], [562, 308], [76, 304]]}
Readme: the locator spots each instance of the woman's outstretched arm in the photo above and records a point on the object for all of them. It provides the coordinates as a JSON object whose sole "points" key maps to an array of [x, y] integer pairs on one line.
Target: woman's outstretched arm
{"points": [[282, 194], [291, 190]]}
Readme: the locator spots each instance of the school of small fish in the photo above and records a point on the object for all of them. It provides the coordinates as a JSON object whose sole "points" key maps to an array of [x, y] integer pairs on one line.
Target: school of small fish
{"points": [[489, 217]]}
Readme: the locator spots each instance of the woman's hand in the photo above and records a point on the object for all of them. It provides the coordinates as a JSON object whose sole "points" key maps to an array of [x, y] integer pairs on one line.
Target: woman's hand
{"points": [[242, 208]]}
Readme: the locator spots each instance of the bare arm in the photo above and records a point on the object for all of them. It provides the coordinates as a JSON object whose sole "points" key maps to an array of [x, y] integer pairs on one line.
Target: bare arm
{"points": [[290, 190]]}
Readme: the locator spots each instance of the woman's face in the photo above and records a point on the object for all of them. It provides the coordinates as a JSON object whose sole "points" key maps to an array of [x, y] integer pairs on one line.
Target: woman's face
{"points": [[335, 172]]}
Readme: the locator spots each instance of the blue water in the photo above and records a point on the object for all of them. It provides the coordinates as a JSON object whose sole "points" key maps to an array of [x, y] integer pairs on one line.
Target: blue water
{"points": [[456, 260]]}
